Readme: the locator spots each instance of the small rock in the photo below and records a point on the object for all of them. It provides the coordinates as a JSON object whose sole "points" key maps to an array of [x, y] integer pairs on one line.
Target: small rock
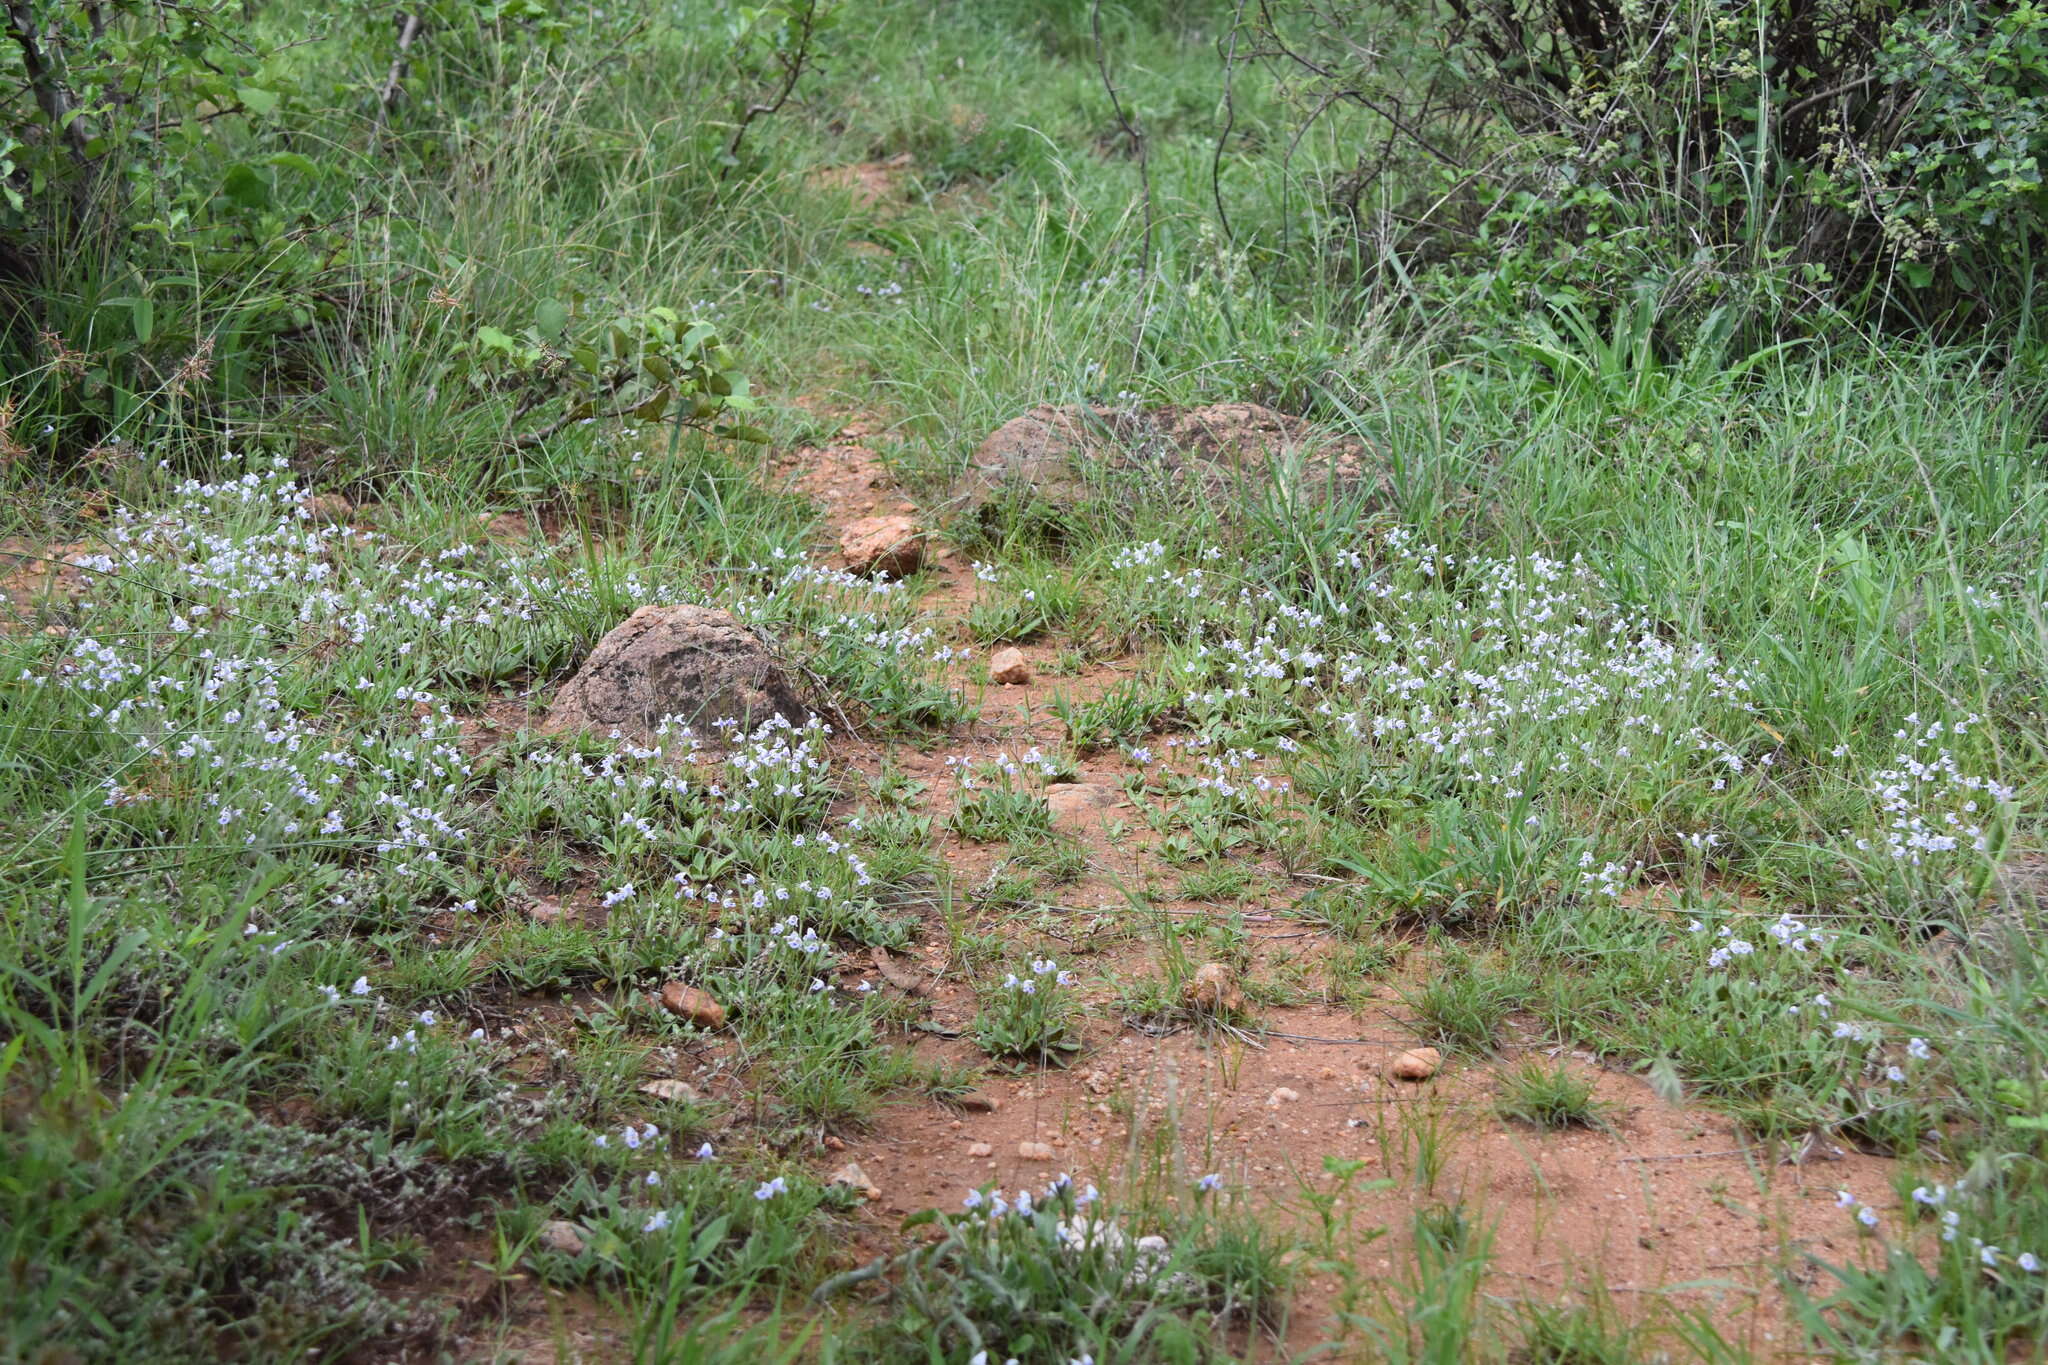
{"points": [[1283, 1095], [1098, 1082], [1416, 1064], [693, 1005], [852, 1177], [978, 1102], [832, 1144], [1035, 1151], [1008, 666], [1214, 990], [544, 910], [889, 545], [903, 978], [566, 1238], [682, 1092], [980, 1149]]}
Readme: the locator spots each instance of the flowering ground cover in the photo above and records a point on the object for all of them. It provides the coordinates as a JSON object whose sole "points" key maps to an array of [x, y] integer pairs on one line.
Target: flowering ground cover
{"points": [[1569, 896]]}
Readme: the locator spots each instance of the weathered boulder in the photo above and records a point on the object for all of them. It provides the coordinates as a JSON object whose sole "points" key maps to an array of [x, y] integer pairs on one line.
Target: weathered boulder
{"points": [[695, 663], [1041, 454], [1044, 455], [891, 545], [1247, 438]]}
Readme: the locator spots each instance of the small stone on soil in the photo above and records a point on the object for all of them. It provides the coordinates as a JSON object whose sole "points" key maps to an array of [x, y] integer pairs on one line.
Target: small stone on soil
{"points": [[854, 1178], [1416, 1064], [1035, 1151], [1214, 990], [680, 1091], [980, 1149], [693, 1005], [566, 1238], [1008, 666]]}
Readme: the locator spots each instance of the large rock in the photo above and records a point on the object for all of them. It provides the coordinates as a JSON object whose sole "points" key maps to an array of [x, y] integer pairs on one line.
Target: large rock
{"points": [[696, 663], [1040, 454], [891, 545], [1045, 455]]}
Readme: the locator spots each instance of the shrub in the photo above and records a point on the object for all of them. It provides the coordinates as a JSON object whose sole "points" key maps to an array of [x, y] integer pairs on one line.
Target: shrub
{"points": [[1872, 157]]}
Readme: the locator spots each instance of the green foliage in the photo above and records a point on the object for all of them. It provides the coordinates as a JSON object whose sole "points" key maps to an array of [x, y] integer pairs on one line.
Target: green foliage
{"points": [[1549, 1097], [193, 194], [1000, 812], [1699, 153], [1059, 1275], [1030, 1018], [1464, 1003], [643, 367]]}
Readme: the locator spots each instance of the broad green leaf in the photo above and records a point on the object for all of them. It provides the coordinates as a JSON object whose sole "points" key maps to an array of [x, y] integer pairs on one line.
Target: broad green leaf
{"points": [[245, 187]]}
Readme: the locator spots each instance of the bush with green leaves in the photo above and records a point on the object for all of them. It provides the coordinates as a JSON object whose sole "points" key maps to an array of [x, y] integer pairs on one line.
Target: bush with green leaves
{"points": [[201, 200], [1697, 152]]}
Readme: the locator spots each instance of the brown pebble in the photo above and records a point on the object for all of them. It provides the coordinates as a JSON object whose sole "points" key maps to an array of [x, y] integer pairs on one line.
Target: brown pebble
{"points": [[1416, 1064], [1008, 666], [693, 1005], [566, 1238], [682, 1092], [854, 1178], [1213, 989]]}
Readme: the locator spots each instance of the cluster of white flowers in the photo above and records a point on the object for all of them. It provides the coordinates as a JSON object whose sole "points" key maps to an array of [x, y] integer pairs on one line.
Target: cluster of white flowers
{"points": [[245, 586], [992, 1204], [1787, 931], [1041, 967], [1939, 1200], [1928, 805], [780, 766], [971, 772]]}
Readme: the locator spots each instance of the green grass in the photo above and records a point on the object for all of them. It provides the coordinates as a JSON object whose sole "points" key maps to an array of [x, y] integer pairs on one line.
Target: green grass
{"points": [[1619, 672], [1549, 1097]]}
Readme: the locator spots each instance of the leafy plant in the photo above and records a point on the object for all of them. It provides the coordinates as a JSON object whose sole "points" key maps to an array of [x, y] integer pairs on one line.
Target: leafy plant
{"points": [[1033, 1017], [645, 366], [1548, 1097]]}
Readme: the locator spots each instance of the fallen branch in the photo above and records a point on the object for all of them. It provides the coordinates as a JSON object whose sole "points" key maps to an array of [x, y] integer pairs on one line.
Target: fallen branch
{"points": [[401, 63]]}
